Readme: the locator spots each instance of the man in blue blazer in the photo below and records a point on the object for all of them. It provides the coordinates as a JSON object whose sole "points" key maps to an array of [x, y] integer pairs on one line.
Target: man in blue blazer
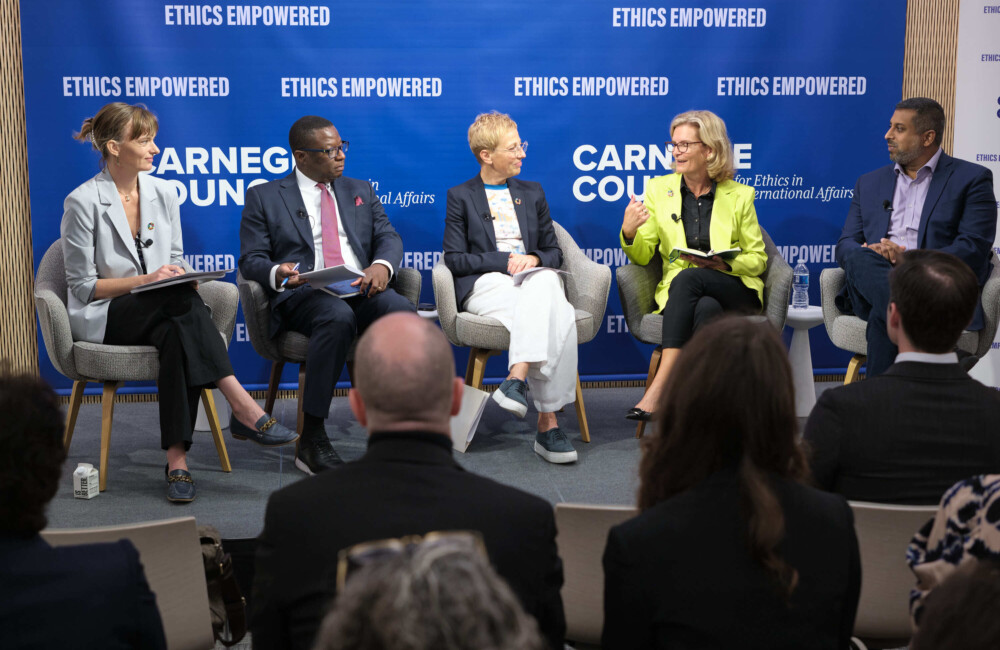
{"points": [[927, 199], [311, 219]]}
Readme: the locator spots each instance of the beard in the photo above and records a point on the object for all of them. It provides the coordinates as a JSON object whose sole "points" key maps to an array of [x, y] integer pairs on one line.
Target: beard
{"points": [[904, 157]]}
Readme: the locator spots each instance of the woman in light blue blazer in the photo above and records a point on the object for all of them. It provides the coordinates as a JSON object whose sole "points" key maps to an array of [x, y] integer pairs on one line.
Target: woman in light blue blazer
{"points": [[121, 229]]}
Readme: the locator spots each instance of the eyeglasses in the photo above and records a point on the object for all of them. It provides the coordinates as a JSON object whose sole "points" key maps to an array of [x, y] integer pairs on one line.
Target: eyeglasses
{"points": [[350, 559], [681, 147], [513, 150], [331, 153]]}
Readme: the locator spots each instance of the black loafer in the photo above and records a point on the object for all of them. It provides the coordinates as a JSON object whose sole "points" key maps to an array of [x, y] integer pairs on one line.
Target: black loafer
{"points": [[639, 415], [180, 485], [268, 432], [316, 455]]}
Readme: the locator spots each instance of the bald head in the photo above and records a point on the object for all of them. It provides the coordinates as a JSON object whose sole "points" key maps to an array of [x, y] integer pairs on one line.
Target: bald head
{"points": [[405, 373]]}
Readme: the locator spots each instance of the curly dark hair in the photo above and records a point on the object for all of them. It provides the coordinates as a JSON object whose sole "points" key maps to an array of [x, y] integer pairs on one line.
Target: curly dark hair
{"points": [[31, 450]]}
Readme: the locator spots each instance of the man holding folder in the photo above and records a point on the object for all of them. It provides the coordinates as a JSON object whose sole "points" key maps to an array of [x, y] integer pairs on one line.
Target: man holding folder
{"points": [[317, 218]]}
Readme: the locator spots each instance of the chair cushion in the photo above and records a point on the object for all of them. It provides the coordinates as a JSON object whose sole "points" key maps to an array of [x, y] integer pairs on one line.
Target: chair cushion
{"points": [[100, 362], [293, 347], [848, 333], [490, 334]]}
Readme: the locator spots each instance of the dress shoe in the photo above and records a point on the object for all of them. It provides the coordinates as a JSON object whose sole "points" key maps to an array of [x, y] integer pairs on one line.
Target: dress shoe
{"points": [[316, 455], [180, 485], [268, 432], [638, 414]]}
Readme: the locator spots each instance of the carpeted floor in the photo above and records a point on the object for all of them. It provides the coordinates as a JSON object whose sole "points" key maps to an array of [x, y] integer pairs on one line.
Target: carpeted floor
{"points": [[235, 502]]}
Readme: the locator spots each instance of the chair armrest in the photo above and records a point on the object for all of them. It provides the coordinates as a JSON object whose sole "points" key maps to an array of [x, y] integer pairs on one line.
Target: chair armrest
{"points": [[408, 284], [636, 290], [991, 309], [445, 300], [257, 315], [777, 291], [831, 281], [54, 322], [223, 299], [587, 286]]}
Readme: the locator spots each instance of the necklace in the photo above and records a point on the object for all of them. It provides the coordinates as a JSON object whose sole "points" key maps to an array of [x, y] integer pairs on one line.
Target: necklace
{"points": [[127, 196]]}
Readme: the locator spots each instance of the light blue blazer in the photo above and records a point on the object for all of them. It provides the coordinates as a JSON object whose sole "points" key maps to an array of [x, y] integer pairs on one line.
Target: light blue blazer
{"points": [[97, 244]]}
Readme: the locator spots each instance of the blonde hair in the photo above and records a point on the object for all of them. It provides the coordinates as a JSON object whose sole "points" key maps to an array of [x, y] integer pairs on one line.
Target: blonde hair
{"points": [[487, 131], [113, 122], [712, 131]]}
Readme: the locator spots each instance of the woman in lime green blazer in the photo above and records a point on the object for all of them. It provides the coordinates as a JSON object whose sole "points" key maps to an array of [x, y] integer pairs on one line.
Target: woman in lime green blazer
{"points": [[698, 207]]}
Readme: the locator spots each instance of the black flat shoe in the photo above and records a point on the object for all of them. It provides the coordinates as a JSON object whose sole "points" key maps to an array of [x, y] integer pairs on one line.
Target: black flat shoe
{"points": [[639, 415], [268, 432]]}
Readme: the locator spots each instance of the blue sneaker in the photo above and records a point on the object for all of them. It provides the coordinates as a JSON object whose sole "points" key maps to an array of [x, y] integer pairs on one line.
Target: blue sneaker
{"points": [[553, 446], [512, 396]]}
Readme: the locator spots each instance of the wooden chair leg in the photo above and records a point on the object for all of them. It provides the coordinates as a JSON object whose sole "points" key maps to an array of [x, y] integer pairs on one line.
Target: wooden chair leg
{"points": [[75, 399], [581, 412], [300, 418], [654, 365], [854, 368], [213, 422], [272, 386], [107, 413], [477, 366]]}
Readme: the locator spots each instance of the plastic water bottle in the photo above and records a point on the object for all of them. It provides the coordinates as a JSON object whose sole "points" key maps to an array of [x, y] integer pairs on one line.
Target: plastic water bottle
{"points": [[800, 285]]}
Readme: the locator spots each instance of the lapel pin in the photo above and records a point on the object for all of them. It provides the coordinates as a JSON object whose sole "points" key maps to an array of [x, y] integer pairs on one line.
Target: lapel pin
{"points": [[670, 192], [517, 201], [149, 226]]}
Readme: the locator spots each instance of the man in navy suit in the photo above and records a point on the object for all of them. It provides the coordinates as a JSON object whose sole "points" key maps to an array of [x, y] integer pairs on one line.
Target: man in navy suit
{"points": [[927, 199], [311, 219]]}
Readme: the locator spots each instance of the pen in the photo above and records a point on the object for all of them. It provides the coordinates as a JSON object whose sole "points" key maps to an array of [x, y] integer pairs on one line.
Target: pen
{"points": [[294, 268]]}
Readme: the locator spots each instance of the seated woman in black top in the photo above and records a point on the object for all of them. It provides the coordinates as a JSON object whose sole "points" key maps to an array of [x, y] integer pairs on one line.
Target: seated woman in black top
{"points": [[731, 549]]}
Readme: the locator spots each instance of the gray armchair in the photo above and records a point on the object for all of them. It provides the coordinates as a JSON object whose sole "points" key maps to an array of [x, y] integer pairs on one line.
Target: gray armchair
{"points": [[637, 287], [587, 287], [112, 365], [848, 331], [291, 347]]}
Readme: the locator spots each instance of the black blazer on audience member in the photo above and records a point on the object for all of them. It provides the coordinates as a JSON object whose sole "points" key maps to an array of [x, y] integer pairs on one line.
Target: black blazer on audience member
{"points": [[679, 575], [86, 596], [406, 484], [905, 436]]}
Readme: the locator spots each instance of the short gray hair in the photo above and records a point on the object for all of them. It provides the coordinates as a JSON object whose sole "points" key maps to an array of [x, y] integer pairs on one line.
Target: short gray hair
{"points": [[442, 596]]}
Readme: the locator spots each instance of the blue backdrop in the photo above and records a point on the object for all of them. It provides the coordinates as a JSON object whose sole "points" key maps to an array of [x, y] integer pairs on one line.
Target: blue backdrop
{"points": [[806, 90]]}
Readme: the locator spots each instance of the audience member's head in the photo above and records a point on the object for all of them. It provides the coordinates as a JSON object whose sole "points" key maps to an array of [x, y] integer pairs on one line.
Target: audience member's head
{"points": [[729, 403], [31, 451], [932, 297], [961, 613], [404, 376], [436, 594]]}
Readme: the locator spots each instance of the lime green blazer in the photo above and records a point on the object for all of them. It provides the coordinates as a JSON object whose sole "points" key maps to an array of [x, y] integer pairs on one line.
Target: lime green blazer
{"points": [[734, 224]]}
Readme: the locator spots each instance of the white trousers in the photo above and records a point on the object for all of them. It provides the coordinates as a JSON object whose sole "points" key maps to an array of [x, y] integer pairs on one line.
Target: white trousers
{"points": [[542, 326]]}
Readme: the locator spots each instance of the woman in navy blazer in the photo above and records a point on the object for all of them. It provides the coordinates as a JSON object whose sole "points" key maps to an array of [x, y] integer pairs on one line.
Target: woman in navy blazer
{"points": [[91, 595], [731, 549], [121, 229]]}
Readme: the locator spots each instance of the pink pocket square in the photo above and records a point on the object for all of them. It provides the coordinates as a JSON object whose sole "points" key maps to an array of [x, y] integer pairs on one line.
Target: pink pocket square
{"points": [[358, 201]]}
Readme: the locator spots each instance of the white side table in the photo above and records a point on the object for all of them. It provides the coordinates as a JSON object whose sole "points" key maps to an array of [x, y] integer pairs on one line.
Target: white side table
{"points": [[800, 356]]}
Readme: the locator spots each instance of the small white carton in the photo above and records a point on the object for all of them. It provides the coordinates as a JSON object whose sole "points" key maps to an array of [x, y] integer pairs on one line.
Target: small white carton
{"points": [[85, 482]]}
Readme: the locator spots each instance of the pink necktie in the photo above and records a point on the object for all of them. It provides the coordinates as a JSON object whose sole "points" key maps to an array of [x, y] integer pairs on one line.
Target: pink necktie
{"points": [[331, 234]]}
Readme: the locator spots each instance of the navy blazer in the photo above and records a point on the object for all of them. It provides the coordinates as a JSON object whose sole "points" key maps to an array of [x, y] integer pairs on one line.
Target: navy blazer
{"points": [[470, 243], [275, 229], [959, 215], [940, 429], [88, 596]]}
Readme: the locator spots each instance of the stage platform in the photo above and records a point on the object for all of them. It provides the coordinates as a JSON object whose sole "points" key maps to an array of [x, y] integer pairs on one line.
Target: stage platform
{"points": [[235, 502]]}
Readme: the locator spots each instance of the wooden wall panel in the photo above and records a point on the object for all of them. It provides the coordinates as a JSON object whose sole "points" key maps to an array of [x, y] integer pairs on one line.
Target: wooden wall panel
{"points": [[17, 325], [931, 55]]}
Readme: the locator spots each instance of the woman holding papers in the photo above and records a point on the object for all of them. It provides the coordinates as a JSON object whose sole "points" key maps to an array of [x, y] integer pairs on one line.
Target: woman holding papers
{"points": [[121, 230], [698, 207], [496, 228], [732, 548]]}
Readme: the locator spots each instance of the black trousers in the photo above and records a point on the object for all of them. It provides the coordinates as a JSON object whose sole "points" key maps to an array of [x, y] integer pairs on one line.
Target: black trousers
{"points": [[332, 324], [697, 296], [866, 281], [193, 355]]}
